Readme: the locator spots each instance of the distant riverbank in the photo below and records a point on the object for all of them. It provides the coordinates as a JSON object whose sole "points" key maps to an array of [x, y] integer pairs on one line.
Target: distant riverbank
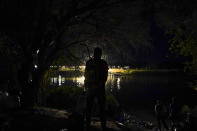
{"points": [[118, 70]]}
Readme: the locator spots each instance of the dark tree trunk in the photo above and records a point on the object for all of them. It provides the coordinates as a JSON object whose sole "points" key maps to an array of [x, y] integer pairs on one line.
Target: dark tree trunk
{"points": [[26, 89], [30, 88], [37, 77], [25, 81]]}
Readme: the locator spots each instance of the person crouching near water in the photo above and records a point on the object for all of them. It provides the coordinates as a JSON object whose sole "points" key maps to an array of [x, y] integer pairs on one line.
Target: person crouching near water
{"points": [[96, 73], [161, 114]]}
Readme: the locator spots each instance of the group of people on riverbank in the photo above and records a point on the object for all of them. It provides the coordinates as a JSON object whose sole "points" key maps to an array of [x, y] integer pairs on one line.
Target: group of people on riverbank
{"points": [[167, 112], [96, 72]]}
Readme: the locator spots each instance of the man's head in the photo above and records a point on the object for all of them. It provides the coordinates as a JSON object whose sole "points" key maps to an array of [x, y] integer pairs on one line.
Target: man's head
{"points": [[173, 99], [97, 53], [158, 101]]}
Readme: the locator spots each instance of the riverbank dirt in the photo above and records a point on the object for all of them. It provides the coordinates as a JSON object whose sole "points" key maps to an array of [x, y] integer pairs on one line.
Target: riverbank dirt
{"points": [[47, 119]]}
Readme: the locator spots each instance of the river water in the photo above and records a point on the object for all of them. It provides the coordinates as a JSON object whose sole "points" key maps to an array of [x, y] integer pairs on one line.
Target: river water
{"points": [[137, 92]]}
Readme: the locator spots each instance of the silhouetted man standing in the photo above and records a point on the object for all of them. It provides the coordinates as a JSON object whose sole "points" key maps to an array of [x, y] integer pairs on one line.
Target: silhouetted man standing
{"points": [[96, 72], [161, 111]]}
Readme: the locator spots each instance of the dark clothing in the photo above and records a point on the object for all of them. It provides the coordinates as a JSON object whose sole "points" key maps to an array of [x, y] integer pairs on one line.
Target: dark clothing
{"points": [[95, 77], [173, 114], [160, 121], [100, 95], [96, 73], [161, 114]]}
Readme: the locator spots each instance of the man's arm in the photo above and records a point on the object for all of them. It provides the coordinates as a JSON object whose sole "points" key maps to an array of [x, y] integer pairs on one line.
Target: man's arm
{"points": [[85, 75], [105, 71], [156, 110]]}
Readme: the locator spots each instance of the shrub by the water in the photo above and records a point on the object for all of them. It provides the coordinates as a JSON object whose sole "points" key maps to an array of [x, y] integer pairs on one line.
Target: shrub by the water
{"points": [[64, 97]]}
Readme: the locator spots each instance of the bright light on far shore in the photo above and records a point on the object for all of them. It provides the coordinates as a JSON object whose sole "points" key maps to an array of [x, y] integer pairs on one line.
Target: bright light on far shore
{"points": [[36, 66], [72, 68], [124, 71], [80, 80], [112, 69], [37, 51], [60, 80]]}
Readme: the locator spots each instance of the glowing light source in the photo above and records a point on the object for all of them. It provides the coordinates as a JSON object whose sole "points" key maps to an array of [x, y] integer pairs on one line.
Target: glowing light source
{"points": [[60, 80], [80, 80], [37, 51], [63, 79], [51, 81], [36, 66], [55, 80], [6, 94], [118, 83]]}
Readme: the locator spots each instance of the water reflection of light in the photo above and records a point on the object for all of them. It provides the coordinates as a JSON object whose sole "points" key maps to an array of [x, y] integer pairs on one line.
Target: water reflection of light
{"points": [[60, 80], [82, 67], [111, 75], [118, 83], [51, 80], [113, 81], [63, 79], [80, 80], [55, 80]]}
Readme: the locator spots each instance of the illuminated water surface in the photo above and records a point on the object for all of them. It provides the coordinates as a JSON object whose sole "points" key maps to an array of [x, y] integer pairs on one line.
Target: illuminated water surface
{"points": [[138, 92]]}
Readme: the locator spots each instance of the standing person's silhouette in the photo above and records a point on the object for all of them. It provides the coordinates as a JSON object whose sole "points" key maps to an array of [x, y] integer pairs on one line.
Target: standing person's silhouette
{"points": [[173, 113], [161, 111], [96, 72]]}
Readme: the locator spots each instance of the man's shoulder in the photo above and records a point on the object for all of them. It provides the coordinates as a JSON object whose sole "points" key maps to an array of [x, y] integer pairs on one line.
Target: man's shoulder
{"points": [[98, 62], [89, 61], [104, 62]]}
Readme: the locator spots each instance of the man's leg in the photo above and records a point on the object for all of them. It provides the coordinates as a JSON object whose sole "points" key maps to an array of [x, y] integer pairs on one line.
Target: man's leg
{"points": [[102, 101], [90, 100], [172, 126], [164, 123], [159, 123]]}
